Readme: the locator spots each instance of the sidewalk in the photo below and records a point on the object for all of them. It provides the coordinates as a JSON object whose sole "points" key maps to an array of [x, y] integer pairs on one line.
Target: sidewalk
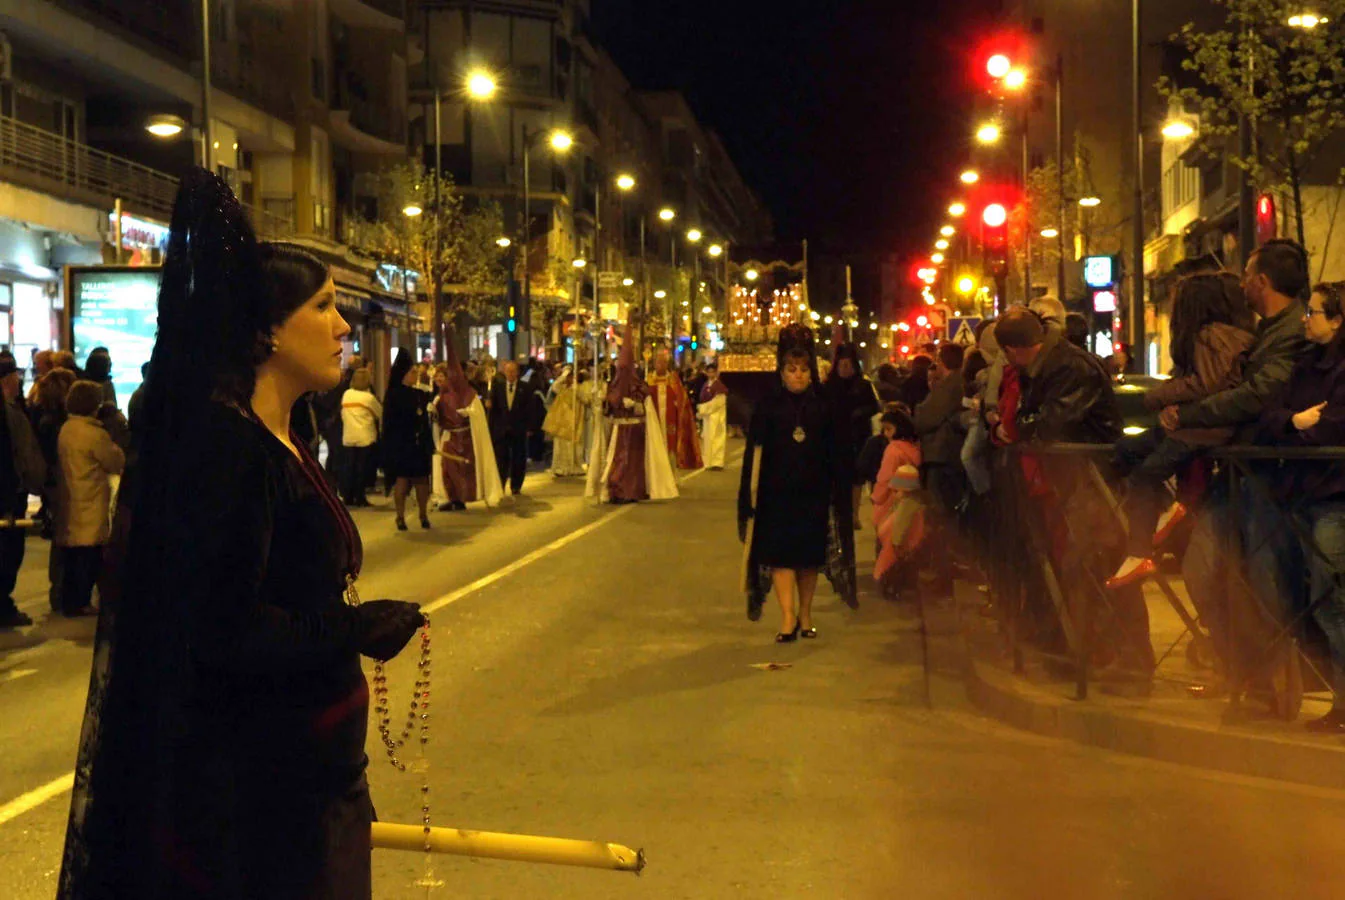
{"points": [[1170, 725]]}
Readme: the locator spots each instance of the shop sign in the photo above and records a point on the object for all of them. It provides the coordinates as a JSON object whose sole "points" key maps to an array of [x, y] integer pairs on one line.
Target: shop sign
{"points": [[396, 280], [139, 234], [116, 307]]}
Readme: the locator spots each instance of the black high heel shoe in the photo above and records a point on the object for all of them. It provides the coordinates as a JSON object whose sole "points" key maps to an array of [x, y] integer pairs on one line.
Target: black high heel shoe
{"points": [[808, 633], [788, 638], [425, 522], [401, 524]]}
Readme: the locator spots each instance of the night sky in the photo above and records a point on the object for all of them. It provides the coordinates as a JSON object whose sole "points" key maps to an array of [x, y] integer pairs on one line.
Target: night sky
{"points": [[840, 114]]}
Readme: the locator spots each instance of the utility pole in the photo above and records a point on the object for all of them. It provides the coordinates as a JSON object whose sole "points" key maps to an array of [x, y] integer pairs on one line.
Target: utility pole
{"points": [[207, 147], [1137, 348]]}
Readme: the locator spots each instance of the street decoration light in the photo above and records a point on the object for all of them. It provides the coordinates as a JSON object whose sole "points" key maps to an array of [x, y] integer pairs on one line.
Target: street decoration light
{"points": [[957, 210], [971, 176], [936, 258], [941, 244], [1090, 201], [481, 85], [625, 182], [948, 231], [988, 133]]}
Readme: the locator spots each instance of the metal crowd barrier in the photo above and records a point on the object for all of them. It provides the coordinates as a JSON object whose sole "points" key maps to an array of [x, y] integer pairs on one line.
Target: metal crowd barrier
{"points": [[1020, 557]]}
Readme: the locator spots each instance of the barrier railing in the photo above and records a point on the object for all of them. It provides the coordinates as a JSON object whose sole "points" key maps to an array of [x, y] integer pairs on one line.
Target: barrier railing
{"points": [[1035, 547]]}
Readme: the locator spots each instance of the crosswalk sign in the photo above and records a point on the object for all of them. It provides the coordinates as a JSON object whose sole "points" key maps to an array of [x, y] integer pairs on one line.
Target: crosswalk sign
{"points": [[963, 330]]}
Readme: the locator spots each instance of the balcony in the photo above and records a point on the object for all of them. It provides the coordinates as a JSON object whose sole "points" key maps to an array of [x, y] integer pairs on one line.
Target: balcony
{"points": [[47, 162], [55, 165], [363, 122]]}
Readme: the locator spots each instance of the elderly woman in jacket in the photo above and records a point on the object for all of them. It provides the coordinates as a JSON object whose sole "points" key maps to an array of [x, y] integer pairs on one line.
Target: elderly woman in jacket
{"points": [[1311, 413], [1211, 329], [89, 458]]}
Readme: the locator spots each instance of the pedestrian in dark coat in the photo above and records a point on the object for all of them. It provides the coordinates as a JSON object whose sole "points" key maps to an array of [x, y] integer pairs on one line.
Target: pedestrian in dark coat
{"points": [[408, 443]]}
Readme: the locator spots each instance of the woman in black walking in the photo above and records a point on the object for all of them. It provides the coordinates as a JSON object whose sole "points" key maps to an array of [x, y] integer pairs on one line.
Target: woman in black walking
{"points": [[408, 445], [793, 475], [222, 754]]}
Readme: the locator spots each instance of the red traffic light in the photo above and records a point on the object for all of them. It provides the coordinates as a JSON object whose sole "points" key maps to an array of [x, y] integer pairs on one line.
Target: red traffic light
{"points": [[998, 65], [995, 215]]}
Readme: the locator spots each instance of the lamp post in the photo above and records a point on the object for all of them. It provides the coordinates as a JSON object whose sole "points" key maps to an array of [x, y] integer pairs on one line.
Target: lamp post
{"points": [[694, 237], [560, 142], [668, 215], [1136, 316]]}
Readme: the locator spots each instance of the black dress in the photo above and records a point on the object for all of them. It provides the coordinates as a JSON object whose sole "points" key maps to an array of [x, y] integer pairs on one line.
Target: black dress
{"points": [[854, 405], [408, 449], [797, 482], [222, 755]]}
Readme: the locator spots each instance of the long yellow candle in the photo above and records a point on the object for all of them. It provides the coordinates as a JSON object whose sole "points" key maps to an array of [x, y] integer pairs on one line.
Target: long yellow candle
{"points": [[515, 847]]}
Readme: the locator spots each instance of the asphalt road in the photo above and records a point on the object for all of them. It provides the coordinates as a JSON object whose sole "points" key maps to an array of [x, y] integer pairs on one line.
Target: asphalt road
{"points": [[610, 688]]}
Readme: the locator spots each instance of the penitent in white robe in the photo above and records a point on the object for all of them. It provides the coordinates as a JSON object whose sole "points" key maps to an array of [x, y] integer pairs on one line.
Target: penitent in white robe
{"points": [[714, 416]]}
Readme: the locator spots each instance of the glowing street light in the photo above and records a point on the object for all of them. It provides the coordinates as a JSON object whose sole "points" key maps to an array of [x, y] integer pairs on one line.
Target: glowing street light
{"points": [[971, 176], [667, 214], [957, 210], [948, 231], [941, 244], [1178, 129], [694, 235], [988, 133], [936, 258], [1016, 80], [998, 66], [715, 250], [481, 85], [165, 126], [1307, 21], [625, 182], [580, 263], [966, 284], [503, 243], [659, 295], [751, 274], [411, 210], [561, 141], [628, 282], [1050, 233], [1090, 201]]}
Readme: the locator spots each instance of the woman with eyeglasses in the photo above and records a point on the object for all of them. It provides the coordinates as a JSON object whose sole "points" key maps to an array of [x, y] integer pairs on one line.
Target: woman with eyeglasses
{"points": [[1211, 329], [1311, 413]]}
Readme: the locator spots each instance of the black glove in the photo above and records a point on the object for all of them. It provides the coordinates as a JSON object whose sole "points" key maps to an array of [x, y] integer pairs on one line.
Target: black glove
{"points": [[386, 626]]}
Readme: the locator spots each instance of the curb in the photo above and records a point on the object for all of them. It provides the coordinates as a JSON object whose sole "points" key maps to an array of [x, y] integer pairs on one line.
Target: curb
{"points": [[1224, 749]]}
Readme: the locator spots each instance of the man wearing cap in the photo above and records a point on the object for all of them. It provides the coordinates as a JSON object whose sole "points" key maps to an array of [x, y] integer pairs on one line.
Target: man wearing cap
{"points": [[22, 472]]}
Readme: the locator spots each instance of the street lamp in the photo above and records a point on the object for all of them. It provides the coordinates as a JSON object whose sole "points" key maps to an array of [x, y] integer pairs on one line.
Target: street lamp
{"points": [[667, 214], [1090, 201], [751, 274], [971, 176], [694, 235], [941, 244], [481, 85], [1307, 21], [715, 250], [659, 295], [957, 210], [411, 210], [627, 282], [561, 141], [1178, 129], [503, 243], [625, 182], [988, 133], [580, 263], [948, 231], [1050, 233], [966, 284], [165, 126], [1016, 80], [937, 259]]}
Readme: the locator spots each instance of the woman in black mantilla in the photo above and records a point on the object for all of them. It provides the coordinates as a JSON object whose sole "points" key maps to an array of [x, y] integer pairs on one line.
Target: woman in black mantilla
{"points": [[792, 477], [408, 444], [222, 753]]}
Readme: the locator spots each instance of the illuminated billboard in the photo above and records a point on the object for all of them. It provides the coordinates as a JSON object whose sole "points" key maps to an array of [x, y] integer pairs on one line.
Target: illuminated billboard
{"points": [[116, 307]]}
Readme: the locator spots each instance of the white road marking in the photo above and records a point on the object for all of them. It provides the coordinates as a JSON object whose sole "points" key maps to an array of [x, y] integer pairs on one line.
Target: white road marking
{"points": [[53, 789], [16, 674], [35, 798]]}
